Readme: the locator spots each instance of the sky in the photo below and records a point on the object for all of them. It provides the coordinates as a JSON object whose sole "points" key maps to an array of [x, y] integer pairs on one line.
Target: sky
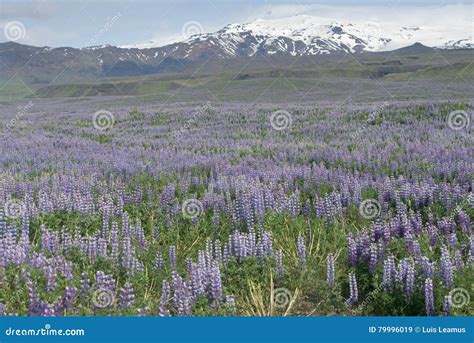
{"points": [[121, 22]]}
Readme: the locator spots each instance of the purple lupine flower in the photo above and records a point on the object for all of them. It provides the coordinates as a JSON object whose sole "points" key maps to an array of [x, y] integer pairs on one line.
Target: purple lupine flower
{"points": [[452, 240], [429, 297], [202, 263], [70, 297], [388, 272], [446, 267], [399, 273], [386, 232], [354, 292], [470, 258], [48, 310], [427, 266], [114, 241], [267, 242], [209, 253], [103, 280], [234, 244], [279, 263], [362, 244], [409, 241], [307, 209], [402, 270], [182, 295], [243, 252], [218, 251], [330, 271], [164, 299], [381, 249], [410, 278], [126, 296], [432, 233], [34, 304], [458, 262], [301, 251], [216, 285], [463, 219], [373, 259], [85, 286], [172, 256], [189, 265], [66, 269], [51, 278], [216, 216], [352, 250], [197, 280], [159, 263], [416, 249], [447, 305], [127, 254]]}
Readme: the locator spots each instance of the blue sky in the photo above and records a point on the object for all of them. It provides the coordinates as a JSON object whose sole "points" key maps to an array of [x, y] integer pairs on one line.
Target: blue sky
{"points": [[81, 23]]}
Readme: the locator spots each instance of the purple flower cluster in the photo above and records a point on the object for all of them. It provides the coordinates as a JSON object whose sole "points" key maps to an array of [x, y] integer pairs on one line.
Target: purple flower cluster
{"points": [[353, 290], [429, 297], [330, 270], [123, 196], [301, 251], [126, 296]]}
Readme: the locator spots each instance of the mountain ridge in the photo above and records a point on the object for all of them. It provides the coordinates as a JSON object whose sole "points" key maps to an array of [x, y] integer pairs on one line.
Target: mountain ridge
{"points": [[304, 36], [316, 35]]}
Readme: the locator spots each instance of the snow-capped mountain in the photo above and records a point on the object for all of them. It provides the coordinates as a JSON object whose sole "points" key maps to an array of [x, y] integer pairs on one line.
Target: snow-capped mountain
{"points": [[311, 35], [300, 35]]}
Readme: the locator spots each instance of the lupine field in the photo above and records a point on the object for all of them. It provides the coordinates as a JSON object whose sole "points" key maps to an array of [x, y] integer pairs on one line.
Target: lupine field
{"points": [[232, 209]]}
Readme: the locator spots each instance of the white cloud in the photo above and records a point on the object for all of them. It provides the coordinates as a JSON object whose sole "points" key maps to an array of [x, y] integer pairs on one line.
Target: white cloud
{"points": [[33, 9], [390, 13], [39, 35]]}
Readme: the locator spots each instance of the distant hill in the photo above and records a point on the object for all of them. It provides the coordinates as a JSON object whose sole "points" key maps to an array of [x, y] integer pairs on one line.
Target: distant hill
{"points": [[300, 35], [298, 47], [416, 48]]}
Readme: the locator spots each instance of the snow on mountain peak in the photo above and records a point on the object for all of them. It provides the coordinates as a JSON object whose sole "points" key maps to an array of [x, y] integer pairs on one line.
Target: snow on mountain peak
{"points": [[311, 35]]}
